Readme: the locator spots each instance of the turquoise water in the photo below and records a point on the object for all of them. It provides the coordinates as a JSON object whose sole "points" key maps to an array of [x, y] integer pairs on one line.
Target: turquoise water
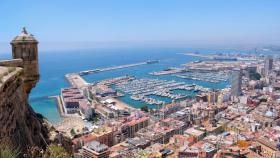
{"points": [[54, 65], [185, 92], [160, 98]]}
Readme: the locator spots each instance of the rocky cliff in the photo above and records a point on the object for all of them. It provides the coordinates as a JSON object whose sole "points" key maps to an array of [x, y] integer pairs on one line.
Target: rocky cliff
{"points": [[20, 126]]}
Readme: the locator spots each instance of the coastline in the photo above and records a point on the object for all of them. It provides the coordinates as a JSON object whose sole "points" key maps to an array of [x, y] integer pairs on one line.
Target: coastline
{"points": [[53, 79], [122, 104]]}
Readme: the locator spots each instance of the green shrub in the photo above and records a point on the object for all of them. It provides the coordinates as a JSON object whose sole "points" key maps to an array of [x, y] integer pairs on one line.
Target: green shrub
{"points": [[7, 151], [145, 108], [56, 151]]}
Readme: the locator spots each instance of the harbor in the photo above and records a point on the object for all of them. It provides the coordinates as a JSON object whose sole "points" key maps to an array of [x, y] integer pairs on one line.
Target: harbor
{"points": [[173, 84], [143, 89], [212, 77]]}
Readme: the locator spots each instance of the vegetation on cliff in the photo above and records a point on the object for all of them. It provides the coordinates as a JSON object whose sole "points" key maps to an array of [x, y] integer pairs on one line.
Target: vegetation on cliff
{"points": [[7, 151], [56, 151]]}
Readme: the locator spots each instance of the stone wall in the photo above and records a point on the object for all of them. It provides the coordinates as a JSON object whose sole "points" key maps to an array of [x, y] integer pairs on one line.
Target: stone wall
{"points": [[12, 63]]}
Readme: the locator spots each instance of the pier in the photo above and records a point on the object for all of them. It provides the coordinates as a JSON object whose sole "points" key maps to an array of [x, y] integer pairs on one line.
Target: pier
{"points": [[199, 55], [59, 105], [76, 80], [168, 71], [117, 67], [218, 57]]}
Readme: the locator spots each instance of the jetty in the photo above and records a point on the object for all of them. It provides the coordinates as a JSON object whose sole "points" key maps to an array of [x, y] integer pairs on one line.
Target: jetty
{"points": [[168, 71], [116, 67], [218, 57], [59, 105], [76, 80]]}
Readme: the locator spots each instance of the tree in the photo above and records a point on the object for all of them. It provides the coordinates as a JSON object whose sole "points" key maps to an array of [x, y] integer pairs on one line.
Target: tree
{"points": [[263, 100], [56, 151], [254, 75], [73, 132], [145, 108]]}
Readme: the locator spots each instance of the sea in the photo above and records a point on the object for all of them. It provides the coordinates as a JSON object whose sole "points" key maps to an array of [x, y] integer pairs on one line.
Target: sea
{"points": [[55, 64]]}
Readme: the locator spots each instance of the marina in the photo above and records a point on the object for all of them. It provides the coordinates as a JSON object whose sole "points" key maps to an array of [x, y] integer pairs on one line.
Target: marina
{"points": [[49, 106], [143, 89], [212, 77]]}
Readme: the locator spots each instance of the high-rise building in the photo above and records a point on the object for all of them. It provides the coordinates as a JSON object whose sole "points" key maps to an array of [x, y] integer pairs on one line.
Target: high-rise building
{"points": [[24, 46], [268, 65], [236, 82]]}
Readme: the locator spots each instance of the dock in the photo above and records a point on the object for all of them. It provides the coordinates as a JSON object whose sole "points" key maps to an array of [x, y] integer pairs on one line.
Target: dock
{"points": [[86, 72], [168, 71], [76, 80], [199, 55], [59, 105]]}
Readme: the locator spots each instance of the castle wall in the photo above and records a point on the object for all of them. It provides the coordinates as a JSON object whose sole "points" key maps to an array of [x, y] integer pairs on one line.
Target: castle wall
{"points": [[12, 63], [20, 126]]}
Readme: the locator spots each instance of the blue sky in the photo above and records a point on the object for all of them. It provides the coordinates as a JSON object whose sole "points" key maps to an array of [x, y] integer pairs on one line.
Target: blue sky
{"points": [[182, 22]]}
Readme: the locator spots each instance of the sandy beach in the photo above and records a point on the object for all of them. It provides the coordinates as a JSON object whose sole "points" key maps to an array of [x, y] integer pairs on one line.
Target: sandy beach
{"points": [[122, 105]]}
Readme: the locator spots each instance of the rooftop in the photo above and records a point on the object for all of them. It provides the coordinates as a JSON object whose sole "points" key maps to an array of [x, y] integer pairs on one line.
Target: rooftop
{"points": [[24, 36], [96, 146]]}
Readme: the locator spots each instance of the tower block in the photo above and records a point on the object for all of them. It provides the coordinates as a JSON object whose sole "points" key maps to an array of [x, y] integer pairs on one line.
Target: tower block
{"points": [[25, 47]]}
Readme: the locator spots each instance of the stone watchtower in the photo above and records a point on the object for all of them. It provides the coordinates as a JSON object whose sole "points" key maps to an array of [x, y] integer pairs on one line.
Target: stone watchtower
{"points": [[25, 47]]}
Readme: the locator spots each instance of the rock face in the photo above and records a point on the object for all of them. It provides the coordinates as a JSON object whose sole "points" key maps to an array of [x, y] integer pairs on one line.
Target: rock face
{"points": [[20, 126]]}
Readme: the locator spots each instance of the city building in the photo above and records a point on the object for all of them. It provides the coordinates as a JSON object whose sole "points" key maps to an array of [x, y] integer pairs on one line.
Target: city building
{"points": [[200, 149], [236, 82], [168, 109], [213, 96], [135, 124], [86, 109], [103, 134], [268, 65], [95, 149], [71, 99]]}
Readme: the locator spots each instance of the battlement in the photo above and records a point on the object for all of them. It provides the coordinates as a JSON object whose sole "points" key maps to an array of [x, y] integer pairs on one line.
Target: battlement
{"points": [[7, 74], [12, 63]]}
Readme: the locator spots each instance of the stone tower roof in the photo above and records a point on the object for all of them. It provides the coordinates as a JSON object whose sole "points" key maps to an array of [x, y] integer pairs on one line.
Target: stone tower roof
{"points": [[24, 36]]}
